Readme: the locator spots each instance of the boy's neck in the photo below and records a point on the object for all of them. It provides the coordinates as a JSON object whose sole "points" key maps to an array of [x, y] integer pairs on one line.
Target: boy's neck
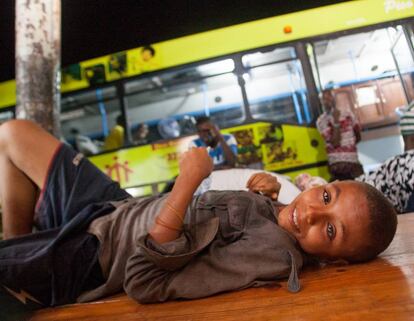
{"points": [[278, 207]]}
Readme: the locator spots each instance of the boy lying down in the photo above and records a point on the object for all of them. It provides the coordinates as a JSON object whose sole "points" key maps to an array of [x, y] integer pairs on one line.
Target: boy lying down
{"points": [[93, 239]]}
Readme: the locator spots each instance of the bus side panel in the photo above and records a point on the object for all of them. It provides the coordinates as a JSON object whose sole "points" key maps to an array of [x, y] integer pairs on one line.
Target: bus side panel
{"points": [[279, 148]]}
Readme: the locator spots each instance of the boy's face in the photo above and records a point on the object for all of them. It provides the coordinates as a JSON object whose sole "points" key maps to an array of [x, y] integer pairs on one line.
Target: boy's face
{"points": [[329, 221]]}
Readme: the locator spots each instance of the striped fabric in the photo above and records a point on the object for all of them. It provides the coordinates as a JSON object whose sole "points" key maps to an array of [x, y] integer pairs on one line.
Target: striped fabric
{"points": [[407, 120]]}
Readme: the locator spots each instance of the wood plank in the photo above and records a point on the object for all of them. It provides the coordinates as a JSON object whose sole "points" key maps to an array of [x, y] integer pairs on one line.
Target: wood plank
{"points": [[379, 290]]}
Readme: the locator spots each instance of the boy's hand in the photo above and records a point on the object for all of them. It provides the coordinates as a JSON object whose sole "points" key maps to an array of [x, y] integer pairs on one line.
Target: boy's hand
{"points": [[264, 183], [196, 164]]}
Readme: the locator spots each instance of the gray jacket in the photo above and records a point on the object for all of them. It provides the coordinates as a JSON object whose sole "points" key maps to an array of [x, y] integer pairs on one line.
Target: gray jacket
{"points": [[231, 242]]}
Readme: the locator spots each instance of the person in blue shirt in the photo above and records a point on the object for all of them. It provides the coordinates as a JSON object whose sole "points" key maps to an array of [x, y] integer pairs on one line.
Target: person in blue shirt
{"points": [[223, 147]]}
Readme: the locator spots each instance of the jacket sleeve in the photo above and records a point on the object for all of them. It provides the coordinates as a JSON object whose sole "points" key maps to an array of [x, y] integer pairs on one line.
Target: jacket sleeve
{"points": [[196, 265]]}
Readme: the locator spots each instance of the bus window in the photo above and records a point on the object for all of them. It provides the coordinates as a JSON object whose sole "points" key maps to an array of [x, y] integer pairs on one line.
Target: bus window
{"points": [[169, 103], [88, 117], [405, 64], [276, 91], [268, 57], [362, 65]]}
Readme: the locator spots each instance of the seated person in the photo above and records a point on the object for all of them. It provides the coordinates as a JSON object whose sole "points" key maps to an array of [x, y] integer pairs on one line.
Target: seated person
{"points": [[140, 136], [95, 240], [84, 144], [116, 136], [223, 147]]}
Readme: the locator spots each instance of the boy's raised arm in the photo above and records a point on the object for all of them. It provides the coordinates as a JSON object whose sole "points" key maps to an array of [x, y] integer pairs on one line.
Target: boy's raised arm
{"points": [[195, 165]]}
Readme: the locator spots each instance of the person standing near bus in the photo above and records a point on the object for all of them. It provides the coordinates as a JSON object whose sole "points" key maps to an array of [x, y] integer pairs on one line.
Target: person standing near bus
{"points": [[223, 147], [341, 132], [407, 126]]}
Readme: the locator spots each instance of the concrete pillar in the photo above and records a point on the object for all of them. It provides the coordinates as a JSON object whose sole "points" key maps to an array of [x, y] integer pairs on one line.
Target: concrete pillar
{"points": [[38, 30]]}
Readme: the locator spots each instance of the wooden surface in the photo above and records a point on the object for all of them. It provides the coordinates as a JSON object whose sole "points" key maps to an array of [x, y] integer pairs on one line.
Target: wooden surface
{"points": [[380, 290]]}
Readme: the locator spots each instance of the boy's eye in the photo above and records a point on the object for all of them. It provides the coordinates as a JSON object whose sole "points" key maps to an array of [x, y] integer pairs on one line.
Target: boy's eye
{"points": [[330, 230], [326, 197]]}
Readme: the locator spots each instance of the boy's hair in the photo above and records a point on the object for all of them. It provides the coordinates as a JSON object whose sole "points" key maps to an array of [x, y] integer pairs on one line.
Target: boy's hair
{"points": [[382, 228]]}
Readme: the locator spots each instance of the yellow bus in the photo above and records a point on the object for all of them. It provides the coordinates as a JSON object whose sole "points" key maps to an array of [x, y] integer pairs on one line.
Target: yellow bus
{"points": [[259, 81]]}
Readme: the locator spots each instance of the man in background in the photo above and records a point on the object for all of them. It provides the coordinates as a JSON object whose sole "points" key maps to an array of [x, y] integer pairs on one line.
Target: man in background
{"points": [[223, 147], [341, 133]]}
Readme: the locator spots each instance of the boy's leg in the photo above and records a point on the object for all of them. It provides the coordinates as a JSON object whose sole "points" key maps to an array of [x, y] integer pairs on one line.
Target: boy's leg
{"points": [[45, 269], [16, 306], [25, 153]]}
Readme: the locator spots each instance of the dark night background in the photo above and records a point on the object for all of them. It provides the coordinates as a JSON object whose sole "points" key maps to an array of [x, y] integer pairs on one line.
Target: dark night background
{"points": [[92, 28]]}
